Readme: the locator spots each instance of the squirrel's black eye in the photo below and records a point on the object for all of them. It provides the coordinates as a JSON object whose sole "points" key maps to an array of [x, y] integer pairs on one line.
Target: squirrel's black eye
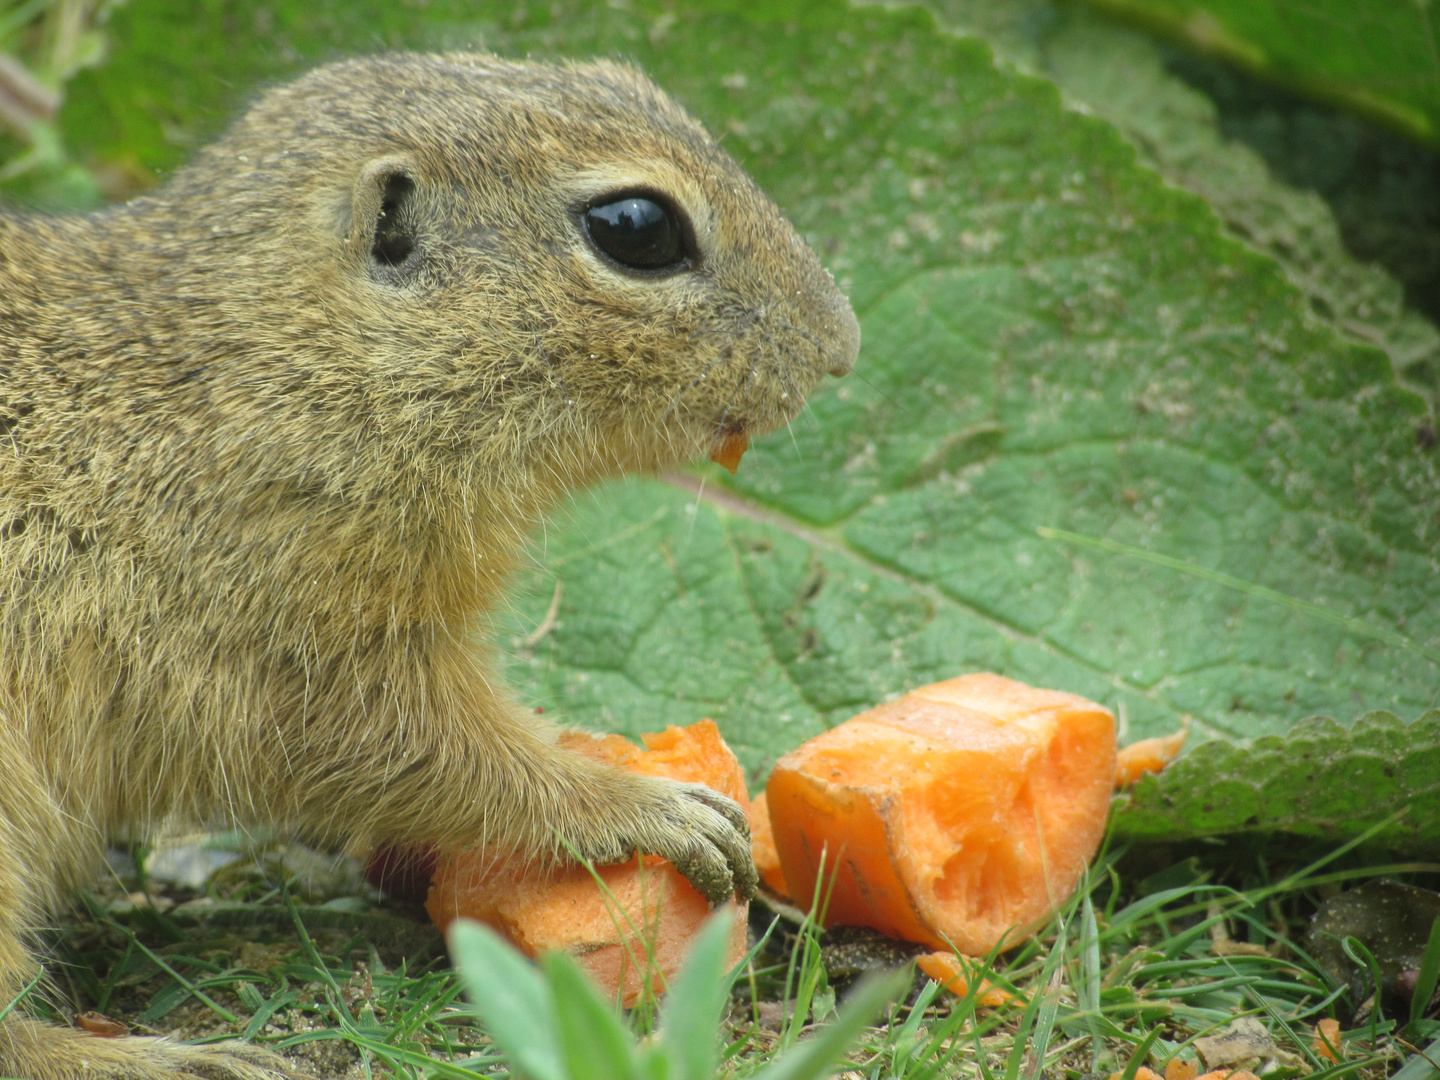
{"points": [[637, 232]]}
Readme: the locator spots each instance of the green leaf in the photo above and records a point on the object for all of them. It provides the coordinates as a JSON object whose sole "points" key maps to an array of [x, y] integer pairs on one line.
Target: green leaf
{"points": [[594, 1041], [1054, 340], [1120, 75], [691, 1014], [1319, 779], [1071, 349], [1421, 1065], [814, 1056], [1380, 57], [511, 998]]}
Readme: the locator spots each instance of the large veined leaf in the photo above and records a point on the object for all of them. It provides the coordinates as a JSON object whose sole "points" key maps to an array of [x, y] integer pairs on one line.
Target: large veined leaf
{"points": [[1120, 74], [1091, 443], [1053, 340], [1318, 779], [1380, 56]]}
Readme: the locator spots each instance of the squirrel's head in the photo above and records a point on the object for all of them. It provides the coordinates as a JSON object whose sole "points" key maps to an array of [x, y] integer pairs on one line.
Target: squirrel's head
{"points": [[555, 263]]}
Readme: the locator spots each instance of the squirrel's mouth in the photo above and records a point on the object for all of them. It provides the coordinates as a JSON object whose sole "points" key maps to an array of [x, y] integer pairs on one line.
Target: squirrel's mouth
{"points": [[729, 446]]}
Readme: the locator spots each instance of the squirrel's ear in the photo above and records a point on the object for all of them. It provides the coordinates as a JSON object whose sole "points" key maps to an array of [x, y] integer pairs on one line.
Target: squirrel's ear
{"points": [[382, 217], [394, 236]]}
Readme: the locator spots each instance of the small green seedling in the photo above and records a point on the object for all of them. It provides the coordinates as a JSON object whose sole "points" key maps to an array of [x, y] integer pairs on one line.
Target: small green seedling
{"points": [[552, 1024]]}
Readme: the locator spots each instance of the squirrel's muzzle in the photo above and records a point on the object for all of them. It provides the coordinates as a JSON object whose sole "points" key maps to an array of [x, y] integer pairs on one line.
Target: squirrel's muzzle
{"points": [[844, 338]]}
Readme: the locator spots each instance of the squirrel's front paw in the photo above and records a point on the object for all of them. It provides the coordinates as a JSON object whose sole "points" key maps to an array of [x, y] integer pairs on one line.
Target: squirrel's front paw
{"points": [[709, 842], [705, 835]]}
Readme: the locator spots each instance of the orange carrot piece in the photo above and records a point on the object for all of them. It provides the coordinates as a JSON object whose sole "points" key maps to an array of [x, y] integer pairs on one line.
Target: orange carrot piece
{"points": [[1147, 755], [100, 1024], [945, 969], [762, 847], [629, 945], [962, 812], [728, 451], [1217, 1074], [1327, 1039]]}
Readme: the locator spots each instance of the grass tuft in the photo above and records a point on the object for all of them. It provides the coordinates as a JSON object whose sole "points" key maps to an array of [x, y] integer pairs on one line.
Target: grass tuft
{"points": [[1141, 967]]}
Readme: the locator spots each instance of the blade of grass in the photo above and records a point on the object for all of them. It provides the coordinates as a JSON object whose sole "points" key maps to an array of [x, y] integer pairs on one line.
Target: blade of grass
{"points": [[1423, 1064], [1045, 1025], [25, 992], [281, 999], [642, 1013], [1088, 990], [190, 987], [902, 1041], [1284, 1025], [1429, 972], [982, 1059], [1355, 949], [1139, 1054], [1039, 1012], [944, 1043], [396, 1054], [805, 970], [809, 981], [812, 1057], [333, 992], [107, 988], [1147, 906]]}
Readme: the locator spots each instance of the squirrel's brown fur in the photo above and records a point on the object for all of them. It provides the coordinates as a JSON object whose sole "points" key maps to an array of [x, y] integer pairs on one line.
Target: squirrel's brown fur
{"points": [[257, 480]]}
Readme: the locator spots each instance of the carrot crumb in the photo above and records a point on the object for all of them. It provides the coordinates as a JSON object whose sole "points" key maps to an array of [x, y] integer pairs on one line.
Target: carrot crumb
{"points": [[1147, 755], [944, 968], [100, 1024], [1141, 1073], [728, 451]]}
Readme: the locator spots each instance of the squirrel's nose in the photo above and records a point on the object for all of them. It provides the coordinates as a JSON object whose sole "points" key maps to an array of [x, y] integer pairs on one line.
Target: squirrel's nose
{"points": [[844, 339]]}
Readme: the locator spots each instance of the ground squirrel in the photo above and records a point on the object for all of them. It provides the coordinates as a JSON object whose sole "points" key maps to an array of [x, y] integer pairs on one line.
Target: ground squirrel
{"points": [[270, 438]]}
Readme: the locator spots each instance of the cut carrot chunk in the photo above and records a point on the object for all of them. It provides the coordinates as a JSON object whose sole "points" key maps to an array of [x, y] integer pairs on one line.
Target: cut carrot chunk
{"points": [[728, 451], [944, 968], [632, 941], [762, 847], [956, 815], [1147, 755], [1327, 1039], [695, 754], [1186, 1071]]}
